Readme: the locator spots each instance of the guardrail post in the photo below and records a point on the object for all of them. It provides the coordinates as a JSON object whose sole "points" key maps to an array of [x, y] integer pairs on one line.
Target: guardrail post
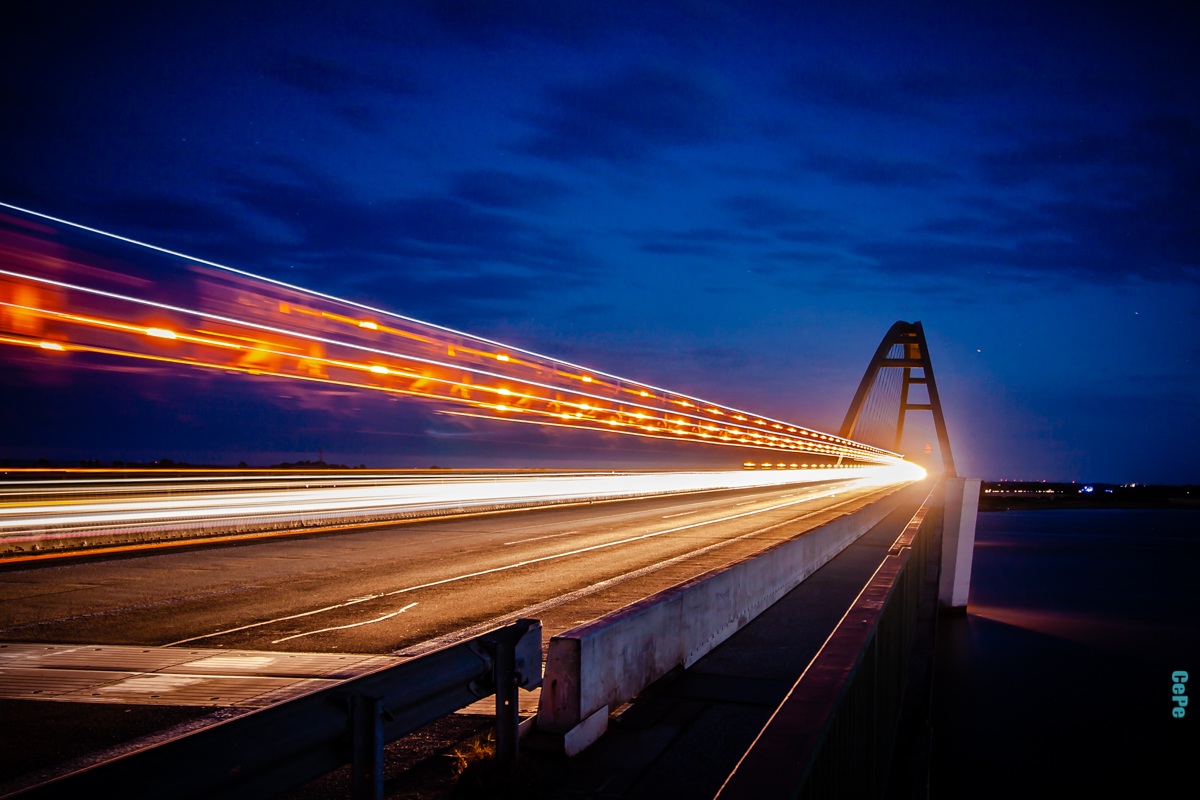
{"points": [[507, 716], [516, 661], [366, 734]]}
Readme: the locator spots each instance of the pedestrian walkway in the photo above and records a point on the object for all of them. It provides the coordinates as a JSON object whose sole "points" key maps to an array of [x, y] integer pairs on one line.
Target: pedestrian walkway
{"points": [[170, 676]]}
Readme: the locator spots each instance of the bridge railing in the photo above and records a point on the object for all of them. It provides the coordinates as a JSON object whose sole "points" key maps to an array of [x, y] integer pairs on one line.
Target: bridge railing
{"points": [[832, 736], [281, 747]]}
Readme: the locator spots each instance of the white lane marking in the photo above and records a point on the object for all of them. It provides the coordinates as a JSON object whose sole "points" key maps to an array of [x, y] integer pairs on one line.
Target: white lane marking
{"points": [[667, 516], [619, 515], [504, 568], [344, 627], [281, 619], [539, 538], [531, 611]]}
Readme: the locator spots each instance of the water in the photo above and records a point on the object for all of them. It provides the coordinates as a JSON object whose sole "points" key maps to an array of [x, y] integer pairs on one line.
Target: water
{"points": [[1058, 680]]}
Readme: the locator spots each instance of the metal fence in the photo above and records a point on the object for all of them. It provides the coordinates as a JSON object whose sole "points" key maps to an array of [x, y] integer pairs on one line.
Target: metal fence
{"points": [[284, 746], [832, 736]]}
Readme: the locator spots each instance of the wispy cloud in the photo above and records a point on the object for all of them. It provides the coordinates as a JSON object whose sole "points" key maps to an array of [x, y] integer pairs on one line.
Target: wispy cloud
{"points": [[626, 117]]}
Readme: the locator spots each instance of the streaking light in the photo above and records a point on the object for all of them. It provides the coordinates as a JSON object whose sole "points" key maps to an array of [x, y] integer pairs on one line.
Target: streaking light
{"points": [[254, 326], [118, 506]]}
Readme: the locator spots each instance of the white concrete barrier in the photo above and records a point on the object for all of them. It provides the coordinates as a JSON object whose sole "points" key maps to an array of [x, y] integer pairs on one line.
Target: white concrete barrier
{"points": [[958, 541], [604, 663]]}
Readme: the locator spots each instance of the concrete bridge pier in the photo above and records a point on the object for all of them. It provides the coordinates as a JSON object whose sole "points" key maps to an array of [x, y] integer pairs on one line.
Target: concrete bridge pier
{"points": [[958, 542]]}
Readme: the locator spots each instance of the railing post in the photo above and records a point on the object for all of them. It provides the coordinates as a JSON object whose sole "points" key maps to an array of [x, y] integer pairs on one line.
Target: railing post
{"points": [[507, 717], [510, 670], [366, 735]]}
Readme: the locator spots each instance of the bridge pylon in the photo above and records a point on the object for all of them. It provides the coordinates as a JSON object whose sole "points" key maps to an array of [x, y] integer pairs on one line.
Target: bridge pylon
{"points": [[903, 347]]}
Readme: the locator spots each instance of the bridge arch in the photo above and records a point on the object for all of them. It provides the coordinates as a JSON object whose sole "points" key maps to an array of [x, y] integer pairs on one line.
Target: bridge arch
{"points": [[903, 348]]}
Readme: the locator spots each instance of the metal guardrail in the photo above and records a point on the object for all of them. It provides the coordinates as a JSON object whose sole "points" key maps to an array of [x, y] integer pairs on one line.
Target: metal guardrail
{"points": [[284, 746], [832, 736]]}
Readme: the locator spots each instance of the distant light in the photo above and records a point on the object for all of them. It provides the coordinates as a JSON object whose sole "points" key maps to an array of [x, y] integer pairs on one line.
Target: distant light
{"points": [[369, 325], [1089, 489], [380, 370], [161, 333], [585, 378], [503, 391], [645, 394], [501, 358], [50, 346]]}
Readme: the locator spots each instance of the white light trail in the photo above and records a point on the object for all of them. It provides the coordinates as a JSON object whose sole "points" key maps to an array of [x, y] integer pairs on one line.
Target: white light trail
{"points": [[79, 517]]}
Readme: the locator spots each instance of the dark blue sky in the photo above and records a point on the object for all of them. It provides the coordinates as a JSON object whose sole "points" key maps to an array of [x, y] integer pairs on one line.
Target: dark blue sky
{"points": [[730, 200]]}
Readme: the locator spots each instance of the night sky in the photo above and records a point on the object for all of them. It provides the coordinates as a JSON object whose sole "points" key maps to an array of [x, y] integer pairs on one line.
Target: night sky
{"points": [[729, 200]]}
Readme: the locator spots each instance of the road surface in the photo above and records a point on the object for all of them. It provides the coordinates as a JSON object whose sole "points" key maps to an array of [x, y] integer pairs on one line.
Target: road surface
{"points": [[401, 587]]}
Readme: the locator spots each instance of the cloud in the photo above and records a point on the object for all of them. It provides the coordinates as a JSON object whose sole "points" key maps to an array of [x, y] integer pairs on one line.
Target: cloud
{"points": [[712, 242], [497, 189], [483, 22], [626, 117], [867, 170], [1111, 207], [1049, 159], [914, 93], [324, 216], [365, 118], [429, 254], [193, 219], [772, 216], [335, 80]]}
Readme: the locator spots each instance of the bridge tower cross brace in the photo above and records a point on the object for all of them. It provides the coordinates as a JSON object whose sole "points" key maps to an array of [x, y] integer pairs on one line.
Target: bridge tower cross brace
{"points": [[916, 356]]}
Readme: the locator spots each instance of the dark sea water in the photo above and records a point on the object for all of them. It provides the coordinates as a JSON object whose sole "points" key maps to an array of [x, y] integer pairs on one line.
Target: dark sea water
{"points": [[1057, 682]]}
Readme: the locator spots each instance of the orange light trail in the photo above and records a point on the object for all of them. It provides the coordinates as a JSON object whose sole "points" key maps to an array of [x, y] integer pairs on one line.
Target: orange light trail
{"points": [[268, 328]]}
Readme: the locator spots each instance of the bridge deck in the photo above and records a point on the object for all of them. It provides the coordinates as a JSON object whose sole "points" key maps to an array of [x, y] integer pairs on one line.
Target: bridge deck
{"points": [[682, 739], [340, 593]]}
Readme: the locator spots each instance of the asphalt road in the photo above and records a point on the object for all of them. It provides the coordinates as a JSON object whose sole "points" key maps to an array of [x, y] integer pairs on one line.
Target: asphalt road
{"points": [[405, 587]]}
